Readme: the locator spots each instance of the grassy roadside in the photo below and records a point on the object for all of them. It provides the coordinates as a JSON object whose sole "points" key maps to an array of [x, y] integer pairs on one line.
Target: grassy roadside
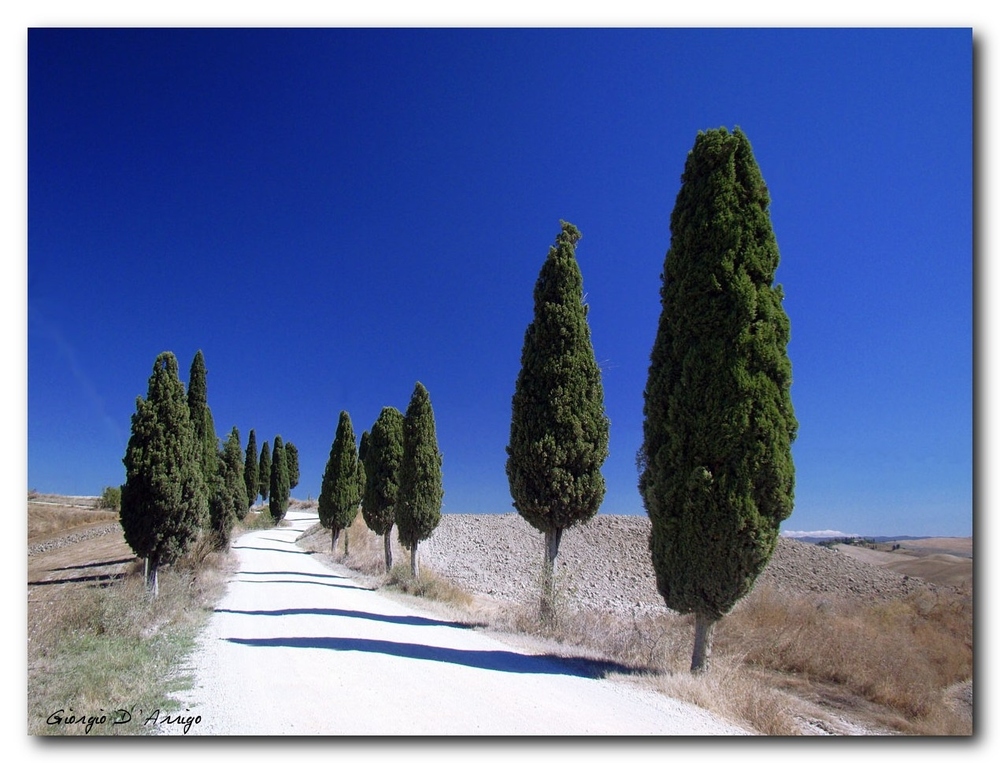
{"points": [[105, 659]]}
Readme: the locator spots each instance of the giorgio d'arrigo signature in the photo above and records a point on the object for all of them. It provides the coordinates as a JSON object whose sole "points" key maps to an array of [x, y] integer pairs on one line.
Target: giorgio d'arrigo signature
{"points": [[67, 717]]}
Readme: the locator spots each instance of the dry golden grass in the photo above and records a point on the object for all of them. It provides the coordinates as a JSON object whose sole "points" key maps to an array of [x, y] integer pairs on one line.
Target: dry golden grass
{"points": [[46, 521]]}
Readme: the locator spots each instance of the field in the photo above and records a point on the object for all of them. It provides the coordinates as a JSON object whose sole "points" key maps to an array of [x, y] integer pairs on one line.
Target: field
{"points": [[787, 661]]}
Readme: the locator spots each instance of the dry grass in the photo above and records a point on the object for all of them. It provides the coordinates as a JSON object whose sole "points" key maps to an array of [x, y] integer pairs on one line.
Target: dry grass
{"points": [[901, 655], [97, 643], [45, 520]]}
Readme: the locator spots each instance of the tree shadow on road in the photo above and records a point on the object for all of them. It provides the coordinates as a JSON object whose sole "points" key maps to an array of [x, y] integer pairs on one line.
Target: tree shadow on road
{"points": [[292, 572], [499, 660], [300, 552], [393, 619]]}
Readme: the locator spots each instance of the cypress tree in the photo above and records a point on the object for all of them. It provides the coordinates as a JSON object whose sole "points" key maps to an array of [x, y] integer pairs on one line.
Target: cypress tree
{"points": [[264, 471], [363, 445], [201, 417], [383, 454], [251, 469], [229, 497], [559, 430], [418, 506], [716, 472], [340, 493], [279, 490], [164, 499], [292, 457]]}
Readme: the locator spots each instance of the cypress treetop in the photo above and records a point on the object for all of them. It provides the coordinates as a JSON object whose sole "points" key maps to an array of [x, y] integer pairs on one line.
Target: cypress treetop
{"points": [[418, 506], [264, 471], [340, 493], [279, 490], [559, 430], [383, 455], [164, 500], [251, 469], [201, 416], [229, 495], [716, 472], [292, 457]]}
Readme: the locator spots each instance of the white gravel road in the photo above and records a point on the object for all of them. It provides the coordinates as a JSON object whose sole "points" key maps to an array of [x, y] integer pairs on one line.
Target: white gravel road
{"points": [[298, 648]]}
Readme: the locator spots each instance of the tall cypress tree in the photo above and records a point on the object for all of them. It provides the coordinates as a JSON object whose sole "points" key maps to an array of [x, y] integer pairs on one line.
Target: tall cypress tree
{"points": [[340, 493], [716, 472], [279, 490], [292, 457], [383, 455], [251, 469], [559, 430], [229, 496], [418, 505], [201, 417], [164, 499], [264, 471]]}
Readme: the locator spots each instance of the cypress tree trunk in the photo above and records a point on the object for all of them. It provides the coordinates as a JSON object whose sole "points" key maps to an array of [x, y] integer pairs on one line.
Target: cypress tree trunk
{"points": [[704, 627], [347, 537], [548, 605], [388, 551], [334, 535], [414, 565], [152, 579]]}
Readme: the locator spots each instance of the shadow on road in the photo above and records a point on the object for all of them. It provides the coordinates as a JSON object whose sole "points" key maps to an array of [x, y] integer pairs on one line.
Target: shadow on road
{"points": [[303, 582], [291, 572], [300, 551], [393, 619], [500, 660]]}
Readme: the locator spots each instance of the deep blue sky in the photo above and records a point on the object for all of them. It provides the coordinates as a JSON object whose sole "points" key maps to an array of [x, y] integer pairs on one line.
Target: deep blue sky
{"points": [[333, 215]]}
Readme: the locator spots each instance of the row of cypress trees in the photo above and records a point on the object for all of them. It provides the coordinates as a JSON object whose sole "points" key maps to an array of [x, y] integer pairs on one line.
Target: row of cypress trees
{"points": [[179, 483], [393, 477], [716, 472]]}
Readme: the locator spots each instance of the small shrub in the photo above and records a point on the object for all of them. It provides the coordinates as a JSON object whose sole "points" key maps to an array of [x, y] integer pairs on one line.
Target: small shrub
{"points": [[427, 585], [111, 499]]}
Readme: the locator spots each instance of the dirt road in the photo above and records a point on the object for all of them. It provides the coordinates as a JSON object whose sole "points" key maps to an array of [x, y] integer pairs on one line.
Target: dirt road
{"points": [[296, 648]]}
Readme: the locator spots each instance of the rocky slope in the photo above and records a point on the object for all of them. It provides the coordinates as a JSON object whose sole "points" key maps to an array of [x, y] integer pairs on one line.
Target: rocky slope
{"points": [[605, 564]]}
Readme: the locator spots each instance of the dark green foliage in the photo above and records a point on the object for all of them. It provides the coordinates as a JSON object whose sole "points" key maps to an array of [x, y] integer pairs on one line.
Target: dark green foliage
{"points": [[716, 472], [279, 490], [418, 505], [264, 471], [231, 466], [363, 445], [292, 457], [201, 417], [164, 499], [340, 493], [111, 499], [559, 430], [383, 455], [251, 470]]}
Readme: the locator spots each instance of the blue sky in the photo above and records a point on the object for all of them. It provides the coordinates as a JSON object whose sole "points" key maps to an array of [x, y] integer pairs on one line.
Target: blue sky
{"points": [[332, 215]]}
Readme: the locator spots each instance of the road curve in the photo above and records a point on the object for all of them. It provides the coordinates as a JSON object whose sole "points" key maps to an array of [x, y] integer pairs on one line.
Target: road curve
{"points": [[297, 648]]}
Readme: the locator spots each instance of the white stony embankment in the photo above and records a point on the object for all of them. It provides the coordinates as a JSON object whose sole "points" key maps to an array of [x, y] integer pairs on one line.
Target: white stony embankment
{"points": [[604, 564]]}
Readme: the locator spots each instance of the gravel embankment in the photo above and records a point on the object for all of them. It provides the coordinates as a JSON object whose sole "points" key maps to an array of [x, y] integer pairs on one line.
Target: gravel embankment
{"points": [[605, 565], [74, 537]]}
